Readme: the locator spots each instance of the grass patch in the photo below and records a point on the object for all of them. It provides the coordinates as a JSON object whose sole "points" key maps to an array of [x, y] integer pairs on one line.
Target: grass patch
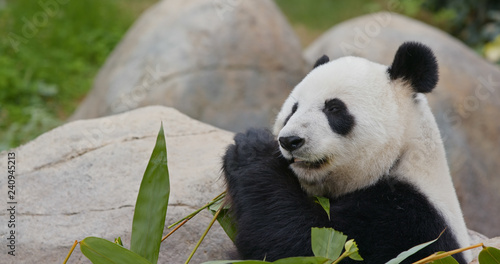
{"points": [[311, 18], [50, 52]]}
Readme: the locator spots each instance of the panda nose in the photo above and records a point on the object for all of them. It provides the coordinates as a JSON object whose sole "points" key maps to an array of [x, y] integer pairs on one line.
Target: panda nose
{"points": [[291, 143]]}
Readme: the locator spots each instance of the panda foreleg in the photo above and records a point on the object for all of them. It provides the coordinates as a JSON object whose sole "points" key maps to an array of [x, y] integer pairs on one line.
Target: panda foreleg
{"points": [[273, 214]]}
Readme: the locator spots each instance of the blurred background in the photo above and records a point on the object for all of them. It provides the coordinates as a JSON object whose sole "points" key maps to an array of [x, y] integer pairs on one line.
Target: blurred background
{"points": [[48, 62]]}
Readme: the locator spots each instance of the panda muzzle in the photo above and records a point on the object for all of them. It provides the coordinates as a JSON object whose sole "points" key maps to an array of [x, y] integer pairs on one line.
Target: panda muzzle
{"points": [[309, 164]]}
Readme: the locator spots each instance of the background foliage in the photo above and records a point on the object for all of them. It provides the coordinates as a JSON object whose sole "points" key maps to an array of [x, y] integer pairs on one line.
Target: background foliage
{"points": [[44, 75], [48, 65]]}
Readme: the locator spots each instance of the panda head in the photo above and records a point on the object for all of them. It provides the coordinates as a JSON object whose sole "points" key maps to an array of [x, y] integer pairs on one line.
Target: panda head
{"points": [[348, 121]]}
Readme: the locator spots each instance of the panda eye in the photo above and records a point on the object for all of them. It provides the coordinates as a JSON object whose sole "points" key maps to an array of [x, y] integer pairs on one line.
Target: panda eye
{"points": [[334, 106]]}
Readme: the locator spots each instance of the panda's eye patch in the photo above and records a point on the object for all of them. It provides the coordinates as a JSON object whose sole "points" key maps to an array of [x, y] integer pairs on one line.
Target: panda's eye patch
{"points": [[339, 118], [334, 106], [294, 109]]}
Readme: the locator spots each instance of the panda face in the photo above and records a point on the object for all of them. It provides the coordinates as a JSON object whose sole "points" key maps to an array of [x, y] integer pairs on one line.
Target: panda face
{"points": [[344, 115], [350, 120]]}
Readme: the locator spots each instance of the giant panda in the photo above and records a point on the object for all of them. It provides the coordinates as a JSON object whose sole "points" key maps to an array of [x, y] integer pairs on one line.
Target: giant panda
{"points": [[361, 134]]}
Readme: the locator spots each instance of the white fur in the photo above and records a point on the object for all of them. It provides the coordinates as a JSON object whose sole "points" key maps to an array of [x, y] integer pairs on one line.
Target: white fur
{"points": [[388, 125]]}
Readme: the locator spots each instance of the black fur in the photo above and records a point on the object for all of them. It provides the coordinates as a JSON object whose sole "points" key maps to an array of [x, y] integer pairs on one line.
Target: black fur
{"points": [[416, 64], [339, 118], [274, 216], [294, 109], [322, 60]]}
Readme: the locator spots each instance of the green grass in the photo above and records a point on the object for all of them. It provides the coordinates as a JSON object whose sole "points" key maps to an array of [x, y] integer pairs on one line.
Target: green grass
{"points": [[311, 18], [49, 57], [323, 14]]}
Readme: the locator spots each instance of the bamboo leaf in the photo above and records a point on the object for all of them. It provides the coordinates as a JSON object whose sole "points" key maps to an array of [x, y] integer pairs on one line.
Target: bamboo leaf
{"points": [[489, 255], [327, 242], [352, 250], [118, 241], [405, 254], [325, 203], [225, 219], [102, 251], [152, 203], [446, 260]]}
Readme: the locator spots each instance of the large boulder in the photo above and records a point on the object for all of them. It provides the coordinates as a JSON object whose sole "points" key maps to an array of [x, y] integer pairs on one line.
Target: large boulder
{"points": [[227, 63], [82, 179], [466, 103]]}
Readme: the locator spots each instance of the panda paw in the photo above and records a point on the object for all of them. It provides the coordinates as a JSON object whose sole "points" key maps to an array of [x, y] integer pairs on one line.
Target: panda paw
{"points": [[250, 147], [256, 141]]}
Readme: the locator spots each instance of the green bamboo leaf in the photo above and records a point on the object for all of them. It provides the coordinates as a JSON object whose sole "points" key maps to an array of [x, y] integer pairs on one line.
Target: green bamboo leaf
{"points": [[102, 251], [327, 242], [405, 254], [489, 255], [224, 218], [352, 250], [152, 203], [446, 260], [118, 241], [325, 203]]}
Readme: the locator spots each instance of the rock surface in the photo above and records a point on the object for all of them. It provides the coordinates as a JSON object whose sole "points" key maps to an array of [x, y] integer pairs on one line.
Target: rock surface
{"points": [[82, 179], [227, 63], [466, 102], [476, 238]]}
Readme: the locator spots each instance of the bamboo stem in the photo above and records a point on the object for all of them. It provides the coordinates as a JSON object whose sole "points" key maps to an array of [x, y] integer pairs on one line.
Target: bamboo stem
{"points": [[70, 251], [191, 215], [204, 234], [436, 256], [175, 229]]}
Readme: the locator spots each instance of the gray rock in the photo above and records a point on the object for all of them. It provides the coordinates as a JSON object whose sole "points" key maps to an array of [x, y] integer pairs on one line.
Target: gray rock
{"points": [[227, 63], [466, 102], [82, 179], [476, 238]]}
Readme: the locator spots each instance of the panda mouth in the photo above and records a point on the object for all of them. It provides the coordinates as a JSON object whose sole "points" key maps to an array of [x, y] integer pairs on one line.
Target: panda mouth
{"points": [[309, 164]]}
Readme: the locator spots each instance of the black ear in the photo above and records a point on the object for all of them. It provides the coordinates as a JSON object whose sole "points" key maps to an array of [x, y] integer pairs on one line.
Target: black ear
{"points": [[324, 59], [416, 64]]}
